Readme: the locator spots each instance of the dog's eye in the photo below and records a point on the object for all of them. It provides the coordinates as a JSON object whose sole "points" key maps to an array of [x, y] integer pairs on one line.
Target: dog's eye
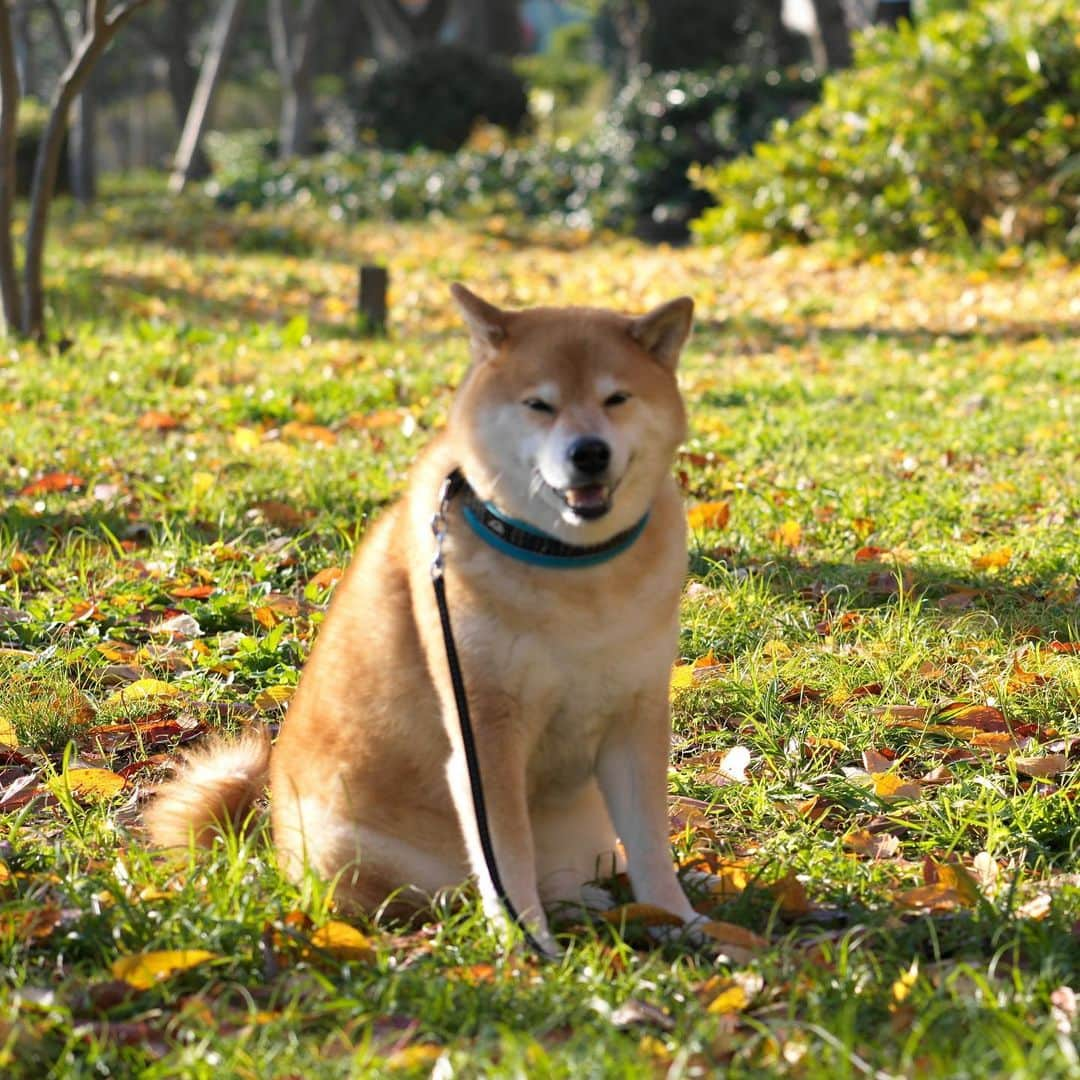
{"points": [[538, 405], [620, 397]]}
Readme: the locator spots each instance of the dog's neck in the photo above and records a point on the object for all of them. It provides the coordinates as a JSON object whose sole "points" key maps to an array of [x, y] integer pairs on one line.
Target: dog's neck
{"points": [[528, 544]]}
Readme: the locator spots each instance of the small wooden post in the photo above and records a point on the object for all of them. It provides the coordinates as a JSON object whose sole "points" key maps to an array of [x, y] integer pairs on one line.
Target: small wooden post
{"points": [[372, 306]]}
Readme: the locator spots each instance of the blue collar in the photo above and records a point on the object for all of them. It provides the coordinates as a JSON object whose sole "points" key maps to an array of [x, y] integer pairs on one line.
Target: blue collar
{"points": [[530, 545]]}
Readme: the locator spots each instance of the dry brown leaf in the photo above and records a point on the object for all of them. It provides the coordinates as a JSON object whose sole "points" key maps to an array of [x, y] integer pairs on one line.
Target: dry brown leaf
{"points": [[872, 845], [1042, 767]]}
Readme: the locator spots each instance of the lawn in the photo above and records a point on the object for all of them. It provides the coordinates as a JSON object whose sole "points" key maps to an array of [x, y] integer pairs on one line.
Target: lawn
{"points": [[877, 715]]}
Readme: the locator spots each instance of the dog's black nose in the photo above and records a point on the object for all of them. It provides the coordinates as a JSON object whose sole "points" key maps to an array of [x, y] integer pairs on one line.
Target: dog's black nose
{"points": [[590, 455]]}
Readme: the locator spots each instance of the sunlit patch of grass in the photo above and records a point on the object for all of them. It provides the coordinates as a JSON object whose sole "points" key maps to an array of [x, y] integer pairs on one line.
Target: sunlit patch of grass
{"points": [[869, 454]]}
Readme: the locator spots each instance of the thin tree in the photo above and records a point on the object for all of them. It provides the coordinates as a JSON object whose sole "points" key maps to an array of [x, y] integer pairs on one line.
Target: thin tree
{"points": [[831, 43], [186, 162], [101, 27], [396, 30], [9, 115], [292, 42]]}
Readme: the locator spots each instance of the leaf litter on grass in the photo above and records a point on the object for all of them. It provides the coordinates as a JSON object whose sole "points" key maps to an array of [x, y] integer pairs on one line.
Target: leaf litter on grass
{"points": [[876, 710]]}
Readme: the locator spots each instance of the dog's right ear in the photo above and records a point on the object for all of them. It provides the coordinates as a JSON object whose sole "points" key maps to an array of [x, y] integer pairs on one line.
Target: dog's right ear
{"points": [[486, 323]]}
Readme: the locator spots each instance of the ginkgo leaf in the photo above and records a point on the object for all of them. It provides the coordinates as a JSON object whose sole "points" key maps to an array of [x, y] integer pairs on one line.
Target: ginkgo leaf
{"points": [[143, 970], [274, 697], [343, 941], [142, 689], [89, 783], [682, 677], [8, 735]]}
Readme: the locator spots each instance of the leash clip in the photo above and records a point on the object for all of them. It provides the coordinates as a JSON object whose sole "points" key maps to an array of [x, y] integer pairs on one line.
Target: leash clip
{"points": [[439, 524]]}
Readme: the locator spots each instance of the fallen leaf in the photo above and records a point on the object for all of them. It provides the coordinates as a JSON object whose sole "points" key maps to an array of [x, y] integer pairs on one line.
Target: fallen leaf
{"points": [[645, 914], [682, 677], [872, 845], [52, 482], [192, 592], [88, 783], [993, 560], [142, 689], [710, 515], [870, 553], [312, 433], [1042, 767], [326, 577], [731, 769], [635, 1013], [143, 970], [158, 421], [274, 697], [731, 936], [788, 535], [343, 941], [729, 998], [280, 514]]}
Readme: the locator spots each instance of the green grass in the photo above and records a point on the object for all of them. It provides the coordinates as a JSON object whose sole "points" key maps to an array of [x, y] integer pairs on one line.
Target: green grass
{"points": [[910, 416]]}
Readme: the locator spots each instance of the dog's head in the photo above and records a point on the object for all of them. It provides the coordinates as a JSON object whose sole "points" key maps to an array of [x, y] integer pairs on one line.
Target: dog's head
{"points": [[569, 418]]}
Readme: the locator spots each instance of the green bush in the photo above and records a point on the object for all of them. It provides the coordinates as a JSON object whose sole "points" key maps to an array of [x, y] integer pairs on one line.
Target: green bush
{"points": [[963, 129], [436, 95], [674, 119], [629, 174]]}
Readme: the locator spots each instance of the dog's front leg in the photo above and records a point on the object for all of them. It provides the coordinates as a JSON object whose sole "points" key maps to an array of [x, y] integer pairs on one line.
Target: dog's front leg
{"points": [[632, 769], [502, 774]]}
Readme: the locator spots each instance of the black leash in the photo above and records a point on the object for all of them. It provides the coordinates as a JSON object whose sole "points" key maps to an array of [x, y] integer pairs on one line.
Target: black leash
{"points": [[454, 483]]}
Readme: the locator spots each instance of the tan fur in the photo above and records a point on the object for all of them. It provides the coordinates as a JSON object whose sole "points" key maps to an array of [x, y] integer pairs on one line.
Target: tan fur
{"points": [[218, 784], [566, 670]]}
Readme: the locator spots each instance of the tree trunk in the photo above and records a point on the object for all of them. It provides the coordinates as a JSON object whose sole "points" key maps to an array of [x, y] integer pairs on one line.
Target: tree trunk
{"points": [[293, 45], [832, 41], [213, 65], [395, 32], [489, 26], [24, 47], [102, 28], [82, 143], [9, 110]]}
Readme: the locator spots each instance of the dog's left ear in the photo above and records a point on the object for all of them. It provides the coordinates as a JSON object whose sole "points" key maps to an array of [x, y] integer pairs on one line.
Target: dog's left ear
{"points": [[664, 330], [486, 322]]}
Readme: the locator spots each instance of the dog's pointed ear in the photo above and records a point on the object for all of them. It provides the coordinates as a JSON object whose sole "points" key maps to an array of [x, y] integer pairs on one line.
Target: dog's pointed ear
{"points": [[664, 330], [486, 322]]}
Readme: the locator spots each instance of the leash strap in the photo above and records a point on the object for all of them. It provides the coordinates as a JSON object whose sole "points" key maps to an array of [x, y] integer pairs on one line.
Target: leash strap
{"points": [[451, 486]]}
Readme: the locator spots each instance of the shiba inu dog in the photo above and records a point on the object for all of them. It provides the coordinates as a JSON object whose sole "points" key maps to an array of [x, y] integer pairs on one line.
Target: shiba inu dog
{"points": [[564, 546]]}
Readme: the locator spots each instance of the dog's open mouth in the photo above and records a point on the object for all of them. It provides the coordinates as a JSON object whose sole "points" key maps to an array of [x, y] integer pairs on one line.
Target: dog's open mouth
{"points": [[589, 501]]}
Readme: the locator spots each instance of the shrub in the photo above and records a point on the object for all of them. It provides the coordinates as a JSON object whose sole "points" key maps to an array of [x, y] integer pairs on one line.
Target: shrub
{"points": [[961, 129], [436, 95], [674, 119]]}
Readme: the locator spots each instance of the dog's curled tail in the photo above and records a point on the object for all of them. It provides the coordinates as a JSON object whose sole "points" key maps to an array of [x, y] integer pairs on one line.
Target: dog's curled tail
{"points": [[217, 784]]}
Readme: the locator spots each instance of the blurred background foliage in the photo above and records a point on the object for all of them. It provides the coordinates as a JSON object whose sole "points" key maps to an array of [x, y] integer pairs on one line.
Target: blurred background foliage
{"points": [[882, 123]]}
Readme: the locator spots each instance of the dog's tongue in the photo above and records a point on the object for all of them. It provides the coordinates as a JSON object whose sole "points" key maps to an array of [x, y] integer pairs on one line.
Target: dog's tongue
{"points": [[589, 497]]}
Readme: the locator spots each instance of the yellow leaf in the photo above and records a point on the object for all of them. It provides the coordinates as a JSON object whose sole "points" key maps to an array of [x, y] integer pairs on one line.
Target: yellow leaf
{"points": [[993, 560], [791, 893], [902, 987], [273, 697], [316, 433], [788, 535], [8, 735], [890, 786], [682, 677], [343, 941], [414, 1057], [246, 440], [956, 877], [140, 689], [143, 970], [710, 515], [89, 783], [202, 483], [776, 649], [728, 934], [648, 914], [731, 998], [727, 880]]}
